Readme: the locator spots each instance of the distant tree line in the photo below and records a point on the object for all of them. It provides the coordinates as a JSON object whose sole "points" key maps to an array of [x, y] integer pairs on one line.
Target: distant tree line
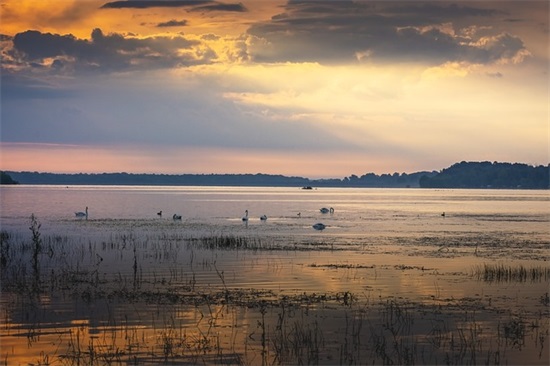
{"points": [[460, 175], [395, 180], [490, 175], [158, 179], [260, 180]]}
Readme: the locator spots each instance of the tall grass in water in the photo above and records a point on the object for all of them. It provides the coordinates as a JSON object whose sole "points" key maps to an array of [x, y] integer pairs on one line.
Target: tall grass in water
{"points": [[187, 320], [511, 273]]}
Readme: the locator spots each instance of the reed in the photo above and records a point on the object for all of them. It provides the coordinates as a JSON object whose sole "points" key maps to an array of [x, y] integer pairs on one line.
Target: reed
{"points": [[511, 273], [176, 317]]}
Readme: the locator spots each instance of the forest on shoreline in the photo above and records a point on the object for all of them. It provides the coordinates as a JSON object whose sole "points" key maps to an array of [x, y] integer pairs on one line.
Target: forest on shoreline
{"points": [[460, 175]]}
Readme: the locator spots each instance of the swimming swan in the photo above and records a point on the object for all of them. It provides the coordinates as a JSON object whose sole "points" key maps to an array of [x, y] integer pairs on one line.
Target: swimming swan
{"points": [[319, 226], [82, 214]]}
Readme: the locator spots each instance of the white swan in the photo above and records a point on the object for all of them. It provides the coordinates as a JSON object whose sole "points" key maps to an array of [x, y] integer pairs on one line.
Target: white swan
{"points": [[82, 214], [319, 226], [327, 210], [245, 217], [263, 217], [176, 217]]}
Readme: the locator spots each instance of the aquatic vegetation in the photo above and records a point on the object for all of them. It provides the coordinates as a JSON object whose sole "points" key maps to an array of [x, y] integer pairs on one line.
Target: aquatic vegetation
{"points": [[171, 297], [511, 273]]}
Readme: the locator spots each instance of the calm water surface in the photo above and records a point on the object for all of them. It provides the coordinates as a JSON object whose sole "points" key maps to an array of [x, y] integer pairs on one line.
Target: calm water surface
{"points": [[380, 245], [357, 211]]}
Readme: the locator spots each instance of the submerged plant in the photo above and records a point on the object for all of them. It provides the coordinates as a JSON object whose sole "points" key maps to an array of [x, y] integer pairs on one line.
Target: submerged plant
{"points": [[4, 249], [36, 241]]}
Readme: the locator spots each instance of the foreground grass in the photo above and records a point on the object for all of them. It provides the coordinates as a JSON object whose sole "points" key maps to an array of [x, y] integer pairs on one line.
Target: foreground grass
{"points": [[136, 317]]}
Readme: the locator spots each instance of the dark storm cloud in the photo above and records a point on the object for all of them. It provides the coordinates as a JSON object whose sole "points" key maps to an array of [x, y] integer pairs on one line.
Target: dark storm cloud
{"points": [[343, 31], [173, 23], [105, 53], [199, 5], [240, 8], [143, 4]]}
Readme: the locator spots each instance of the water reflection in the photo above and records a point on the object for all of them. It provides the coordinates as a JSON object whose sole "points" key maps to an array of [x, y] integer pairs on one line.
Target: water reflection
{"points": [[410, 287]]}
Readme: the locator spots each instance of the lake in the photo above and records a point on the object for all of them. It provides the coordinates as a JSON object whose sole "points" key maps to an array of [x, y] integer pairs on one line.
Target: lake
{"points": [[398, 276]]}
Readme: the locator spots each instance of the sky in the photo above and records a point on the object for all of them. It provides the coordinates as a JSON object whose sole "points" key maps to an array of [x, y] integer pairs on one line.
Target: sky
{"points": [[318, 89]]}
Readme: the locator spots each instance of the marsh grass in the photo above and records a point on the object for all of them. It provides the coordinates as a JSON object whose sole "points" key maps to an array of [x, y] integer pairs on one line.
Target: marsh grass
{"points": [[174, 318], [511, 273]]}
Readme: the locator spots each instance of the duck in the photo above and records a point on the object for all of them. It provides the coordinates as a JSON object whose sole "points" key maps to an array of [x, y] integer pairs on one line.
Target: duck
{"points": [[245, 217], [319, 226], [176, 217], [327, 210], [159, 213], [263, 217], [82, 214]]}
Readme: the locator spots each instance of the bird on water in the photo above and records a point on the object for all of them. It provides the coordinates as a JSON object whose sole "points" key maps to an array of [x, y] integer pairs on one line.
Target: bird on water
{"points": [[319, 226], [82, 214], [327, 210], [245, 217]]}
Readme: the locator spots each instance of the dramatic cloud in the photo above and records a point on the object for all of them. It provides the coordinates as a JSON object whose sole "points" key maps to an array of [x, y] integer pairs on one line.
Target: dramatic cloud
{"points": [[201, 5], [172, 23], [107, 53], [143, 4], [340, 32], [221, 7]]}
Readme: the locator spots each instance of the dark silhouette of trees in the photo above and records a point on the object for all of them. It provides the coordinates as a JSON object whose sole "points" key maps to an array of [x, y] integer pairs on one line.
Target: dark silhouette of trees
{"points": [[489, 175], [6, 179], [460, 175]]}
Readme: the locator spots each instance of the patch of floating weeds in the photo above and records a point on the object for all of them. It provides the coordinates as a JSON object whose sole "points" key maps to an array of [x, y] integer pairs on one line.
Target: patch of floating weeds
{"points": [[510, 273], [403, 267], [230, 242], [344, 266]]}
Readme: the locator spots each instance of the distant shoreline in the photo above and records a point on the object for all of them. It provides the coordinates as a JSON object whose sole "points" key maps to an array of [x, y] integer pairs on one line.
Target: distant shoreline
{"points": [[480, 175]]}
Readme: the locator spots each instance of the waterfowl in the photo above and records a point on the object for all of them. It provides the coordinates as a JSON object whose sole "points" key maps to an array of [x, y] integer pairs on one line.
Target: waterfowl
{"points": [[176, 217], [245, 217], [263, 217], [159, 213], [82, 214], [319, 226], [327, 210]]}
